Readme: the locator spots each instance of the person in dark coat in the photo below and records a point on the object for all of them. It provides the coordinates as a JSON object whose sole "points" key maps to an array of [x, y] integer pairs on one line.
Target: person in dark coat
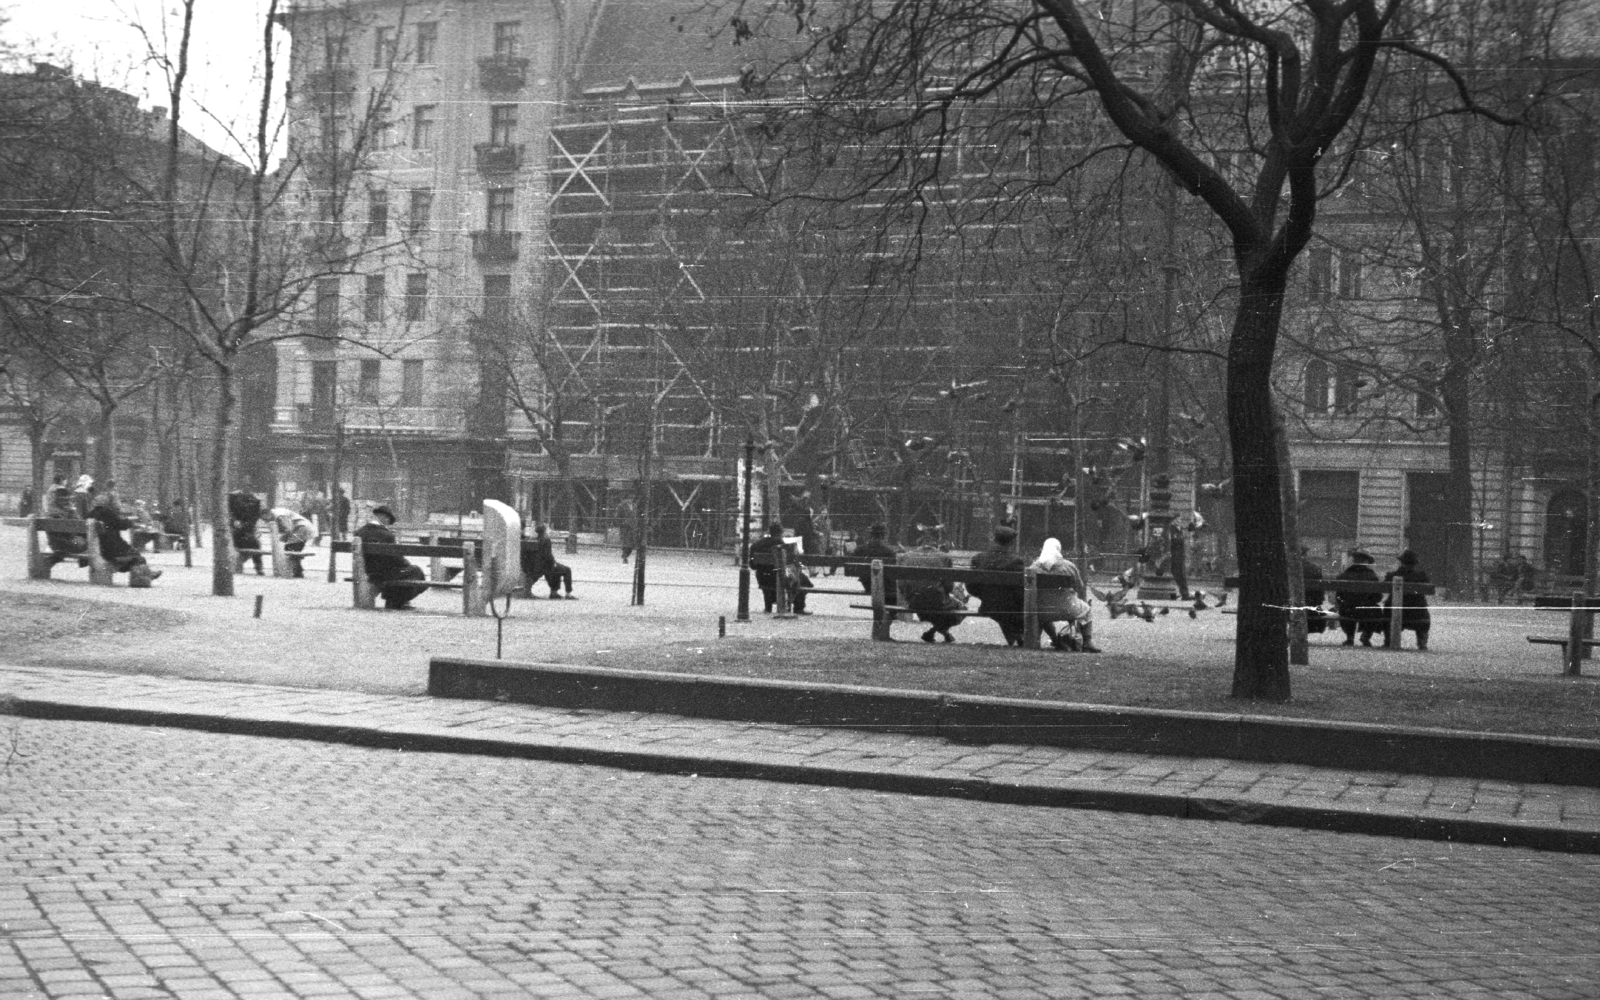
{"points": [[1414, 607], [539, 561], [395, 578], [118, 554], [767, 575], [64, 546], [933, 602], [875, 547], [1001, 603], [244, 510], [627, 527], [1359, 611]]}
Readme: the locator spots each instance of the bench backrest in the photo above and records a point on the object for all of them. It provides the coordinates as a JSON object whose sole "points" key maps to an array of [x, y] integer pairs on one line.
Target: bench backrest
{"points": [[1330, 584], [981, 577], [61, 525]]}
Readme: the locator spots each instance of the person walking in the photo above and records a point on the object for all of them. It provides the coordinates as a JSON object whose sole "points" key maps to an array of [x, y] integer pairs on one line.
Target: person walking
{"points": [[627, 529], [1070, 604], [1414, 607], [398, 581]]}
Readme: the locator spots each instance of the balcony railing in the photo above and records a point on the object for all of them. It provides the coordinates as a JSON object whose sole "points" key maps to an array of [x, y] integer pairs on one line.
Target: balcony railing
{"points": [[500, 74], [495, 246], [498, 159]]}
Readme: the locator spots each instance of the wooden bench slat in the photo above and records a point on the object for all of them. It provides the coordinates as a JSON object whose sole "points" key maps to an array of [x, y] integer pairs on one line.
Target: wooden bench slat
{"points": [[60, 525]]}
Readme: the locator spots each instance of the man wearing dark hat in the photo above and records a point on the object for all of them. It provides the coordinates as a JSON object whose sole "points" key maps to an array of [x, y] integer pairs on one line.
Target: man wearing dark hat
{"points": [[1359, 611], [767, 571], [1003, 604], [875, 547], [390, 574], [1414, 607]]}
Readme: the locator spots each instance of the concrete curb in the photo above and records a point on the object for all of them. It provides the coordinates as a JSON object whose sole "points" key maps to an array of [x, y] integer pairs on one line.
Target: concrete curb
{"points": [[977, 719], [1388, 824]]}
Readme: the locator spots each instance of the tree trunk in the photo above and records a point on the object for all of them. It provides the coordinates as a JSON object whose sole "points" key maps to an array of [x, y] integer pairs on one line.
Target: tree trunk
{"points": [[1456, 394], [222, 555], [1261, 662], [105, 444], [1299, 643]]}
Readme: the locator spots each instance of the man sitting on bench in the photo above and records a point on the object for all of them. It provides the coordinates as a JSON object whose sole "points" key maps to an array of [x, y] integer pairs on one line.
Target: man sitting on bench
{"points": [[62, 545], [539, 562], [118, 554], [1003, 604], [875, 547], [392, 575], [797, 583]]}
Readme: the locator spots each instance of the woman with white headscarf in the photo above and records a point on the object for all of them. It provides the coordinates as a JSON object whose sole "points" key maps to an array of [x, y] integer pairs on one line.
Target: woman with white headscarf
{"points": [[1067, 604]]}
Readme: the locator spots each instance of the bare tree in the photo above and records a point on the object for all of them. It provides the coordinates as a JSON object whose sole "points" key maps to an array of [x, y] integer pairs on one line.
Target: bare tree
{"points": [[1178, 80]]}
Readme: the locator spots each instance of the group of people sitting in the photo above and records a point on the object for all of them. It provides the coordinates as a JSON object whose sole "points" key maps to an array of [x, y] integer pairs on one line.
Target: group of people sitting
{"points": [[1362, 613], [399, 581], [102, 505], [1063, 613]]}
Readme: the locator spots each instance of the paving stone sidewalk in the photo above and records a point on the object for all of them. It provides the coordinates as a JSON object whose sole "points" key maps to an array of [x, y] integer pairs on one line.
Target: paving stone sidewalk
{"points": [[1542, 816]]}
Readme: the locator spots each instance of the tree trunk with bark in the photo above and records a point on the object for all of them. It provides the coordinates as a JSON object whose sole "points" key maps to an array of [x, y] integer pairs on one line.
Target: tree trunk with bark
{"points": [[222, 553], [1261, 661]]}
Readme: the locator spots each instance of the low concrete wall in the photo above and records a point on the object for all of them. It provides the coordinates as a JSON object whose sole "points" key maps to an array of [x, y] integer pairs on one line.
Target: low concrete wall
{"points": [[977, 719]]}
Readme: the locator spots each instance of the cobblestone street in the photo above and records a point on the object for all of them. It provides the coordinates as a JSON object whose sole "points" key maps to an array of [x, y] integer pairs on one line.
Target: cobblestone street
{"points": [[155, 863]]}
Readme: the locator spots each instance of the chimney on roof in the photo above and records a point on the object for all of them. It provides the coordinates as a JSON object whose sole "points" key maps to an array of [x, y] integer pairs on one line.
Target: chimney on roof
{"points": [[159, 112], [49, 71]]}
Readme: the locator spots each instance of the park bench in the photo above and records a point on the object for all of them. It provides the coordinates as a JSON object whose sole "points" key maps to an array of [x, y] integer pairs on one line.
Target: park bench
{"points": [[1577, 645], [781, 557], [1395, 590], [41, 559], [474, 588], [283, 561], [1030, 580]]}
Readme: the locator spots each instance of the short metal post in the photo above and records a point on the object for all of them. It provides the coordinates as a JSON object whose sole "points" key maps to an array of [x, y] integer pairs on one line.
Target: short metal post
{"points": [[880, 613], [1030, 608], [1397, 599]]}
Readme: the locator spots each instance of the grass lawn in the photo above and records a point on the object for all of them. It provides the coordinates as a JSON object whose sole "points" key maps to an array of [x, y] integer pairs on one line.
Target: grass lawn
{"points": [[1545, 705]]}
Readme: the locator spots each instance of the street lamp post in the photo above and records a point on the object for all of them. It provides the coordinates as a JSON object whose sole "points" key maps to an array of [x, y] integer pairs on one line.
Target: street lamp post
{"points": [[744, 548]]}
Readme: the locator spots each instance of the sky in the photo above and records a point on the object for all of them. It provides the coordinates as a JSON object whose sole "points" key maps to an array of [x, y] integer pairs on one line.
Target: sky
{"points": [[97, 39]]}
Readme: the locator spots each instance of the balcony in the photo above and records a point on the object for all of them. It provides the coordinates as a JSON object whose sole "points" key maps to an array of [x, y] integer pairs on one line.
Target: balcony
{"points": [[495, 246], [498, 159], [330, 86], [502, 74]]}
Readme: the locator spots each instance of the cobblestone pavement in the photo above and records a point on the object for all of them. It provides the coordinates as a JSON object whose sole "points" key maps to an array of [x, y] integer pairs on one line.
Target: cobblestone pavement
{"points": [[1324, 798], [155, 863]]}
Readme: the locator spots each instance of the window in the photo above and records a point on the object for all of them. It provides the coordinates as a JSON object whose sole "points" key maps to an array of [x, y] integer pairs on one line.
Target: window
{"points": [[378, 212], [411, 383], [508, 39], [502, 124], [324, 389], [327, 306], [496, 298], [1347, 383], [1328, 511], [422, 126], [372, 305], [385, 43], [421, 217], [427, 42], [1349, 275], [1314, 389], [416, 297], [336, 50], [371, 377], [501, 204], [1319, 278]]}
